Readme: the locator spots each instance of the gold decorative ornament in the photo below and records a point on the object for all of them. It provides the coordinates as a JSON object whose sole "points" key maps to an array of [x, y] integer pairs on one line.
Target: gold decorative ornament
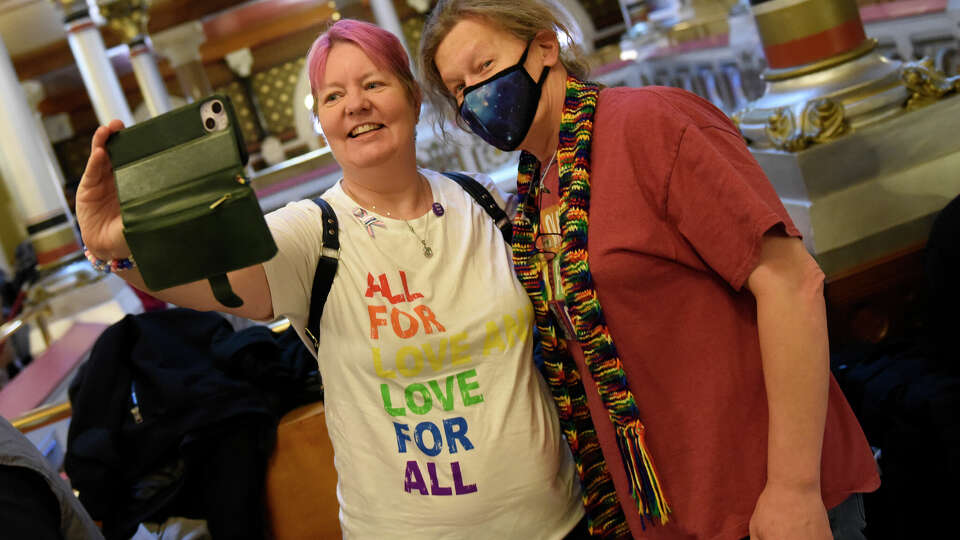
{"points": [[822, 121], [129, 17], [926, 83], [782, 131]]}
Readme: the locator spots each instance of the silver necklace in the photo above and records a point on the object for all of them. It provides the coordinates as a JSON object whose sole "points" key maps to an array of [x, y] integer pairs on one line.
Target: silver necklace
{"points": [[427, 250]]}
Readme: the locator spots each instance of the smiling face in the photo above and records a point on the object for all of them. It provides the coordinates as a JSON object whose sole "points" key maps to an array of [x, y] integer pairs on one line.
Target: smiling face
{"points": [[474, 51], [365, 112]]}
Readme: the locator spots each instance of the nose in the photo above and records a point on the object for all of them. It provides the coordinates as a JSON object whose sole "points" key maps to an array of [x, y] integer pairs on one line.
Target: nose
{"points": [[356, 102], [468, 81]]}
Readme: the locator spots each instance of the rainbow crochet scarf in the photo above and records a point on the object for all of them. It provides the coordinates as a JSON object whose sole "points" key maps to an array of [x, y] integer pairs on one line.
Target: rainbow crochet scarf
{"points": [[573, 155]]}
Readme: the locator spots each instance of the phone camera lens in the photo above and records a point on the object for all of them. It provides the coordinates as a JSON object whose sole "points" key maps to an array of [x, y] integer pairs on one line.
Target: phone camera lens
{"points": [[210, 123], [217, 107]]}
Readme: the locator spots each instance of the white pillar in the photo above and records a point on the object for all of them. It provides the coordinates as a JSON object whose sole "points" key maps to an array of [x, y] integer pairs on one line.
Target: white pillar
{"points": [[148, 77], [26, 168], [35, 94], [101, 81], [386, 17]]}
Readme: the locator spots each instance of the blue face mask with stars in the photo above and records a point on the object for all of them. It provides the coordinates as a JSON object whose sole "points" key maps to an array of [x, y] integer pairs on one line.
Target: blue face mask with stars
{"points": [[500, 109]]}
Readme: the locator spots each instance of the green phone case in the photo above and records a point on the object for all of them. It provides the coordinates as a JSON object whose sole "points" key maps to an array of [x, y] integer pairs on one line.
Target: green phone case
{"points": [[188, 210]]}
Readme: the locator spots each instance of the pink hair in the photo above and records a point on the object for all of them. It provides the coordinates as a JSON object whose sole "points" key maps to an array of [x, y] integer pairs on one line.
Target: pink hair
{"points": [[383, 48]]}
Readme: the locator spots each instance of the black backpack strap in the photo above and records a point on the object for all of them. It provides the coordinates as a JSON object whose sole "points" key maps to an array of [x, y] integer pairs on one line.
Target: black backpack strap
{"points": [[326, 269], [486, 201]]}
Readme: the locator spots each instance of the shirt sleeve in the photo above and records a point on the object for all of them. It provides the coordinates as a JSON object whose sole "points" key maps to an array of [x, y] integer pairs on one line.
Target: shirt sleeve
{"points": [[721, 201], [297, 232]]}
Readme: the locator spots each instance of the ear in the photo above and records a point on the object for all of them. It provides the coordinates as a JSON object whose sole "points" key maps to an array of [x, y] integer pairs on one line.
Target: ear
{"points": [[417, 103], [548, 46]]}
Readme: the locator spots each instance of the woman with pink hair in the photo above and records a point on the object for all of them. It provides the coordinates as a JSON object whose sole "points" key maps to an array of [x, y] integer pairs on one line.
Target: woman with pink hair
{"points": [[441, 426]]}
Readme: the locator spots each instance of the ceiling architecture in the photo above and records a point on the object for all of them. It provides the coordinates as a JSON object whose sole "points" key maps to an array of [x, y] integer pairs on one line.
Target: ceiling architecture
{"points": [[277, 32]]}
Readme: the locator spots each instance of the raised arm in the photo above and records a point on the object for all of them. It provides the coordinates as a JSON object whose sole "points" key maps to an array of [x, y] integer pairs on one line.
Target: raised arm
{"points": [[101, 226]]}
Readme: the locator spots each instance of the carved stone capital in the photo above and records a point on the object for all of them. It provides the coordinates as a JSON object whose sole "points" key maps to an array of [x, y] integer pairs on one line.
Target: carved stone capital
{"points": [[180, 44], [240, 61]]}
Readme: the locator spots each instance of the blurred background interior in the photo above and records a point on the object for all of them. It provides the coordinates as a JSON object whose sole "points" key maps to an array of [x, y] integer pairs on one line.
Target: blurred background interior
{"points": [[848, 105]]}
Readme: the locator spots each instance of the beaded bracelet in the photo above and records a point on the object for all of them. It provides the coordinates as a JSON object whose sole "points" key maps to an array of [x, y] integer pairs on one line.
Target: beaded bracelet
{"points": [[109, 266]]}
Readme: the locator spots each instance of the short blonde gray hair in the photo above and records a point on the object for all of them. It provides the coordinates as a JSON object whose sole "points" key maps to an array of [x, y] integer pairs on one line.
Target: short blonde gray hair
{"points": [[521, 18]]}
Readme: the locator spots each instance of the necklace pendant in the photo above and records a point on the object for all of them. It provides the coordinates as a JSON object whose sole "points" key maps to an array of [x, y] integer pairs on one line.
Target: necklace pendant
{"points": [[437, 209], [427, 252]]}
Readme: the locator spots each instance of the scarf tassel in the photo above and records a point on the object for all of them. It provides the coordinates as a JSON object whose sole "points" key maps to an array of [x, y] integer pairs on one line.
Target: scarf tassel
{"points": [[644, 484]]}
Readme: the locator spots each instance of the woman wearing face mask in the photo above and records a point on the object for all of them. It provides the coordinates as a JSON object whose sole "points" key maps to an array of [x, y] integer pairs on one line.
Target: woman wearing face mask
{"points": [[440, 424], [682, 321]]}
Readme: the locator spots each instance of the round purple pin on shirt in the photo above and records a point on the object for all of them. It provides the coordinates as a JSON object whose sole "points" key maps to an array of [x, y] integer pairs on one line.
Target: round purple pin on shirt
{"points": [[437, 209]]}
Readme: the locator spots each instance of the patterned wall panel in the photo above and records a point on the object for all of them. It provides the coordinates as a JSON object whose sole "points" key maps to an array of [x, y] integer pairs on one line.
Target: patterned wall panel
{"points": [[243, 108], [274, 89]]}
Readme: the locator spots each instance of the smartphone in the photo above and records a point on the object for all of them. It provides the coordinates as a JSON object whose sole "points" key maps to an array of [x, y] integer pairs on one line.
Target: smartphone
{"points": [[189, 212]]}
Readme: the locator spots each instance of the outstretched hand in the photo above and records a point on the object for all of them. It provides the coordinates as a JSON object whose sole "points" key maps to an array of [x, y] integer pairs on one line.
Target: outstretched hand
{"points": [[98, 206]]}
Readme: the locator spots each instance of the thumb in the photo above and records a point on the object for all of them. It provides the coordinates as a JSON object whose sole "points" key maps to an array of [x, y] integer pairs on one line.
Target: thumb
{"points": [[98, 168]]}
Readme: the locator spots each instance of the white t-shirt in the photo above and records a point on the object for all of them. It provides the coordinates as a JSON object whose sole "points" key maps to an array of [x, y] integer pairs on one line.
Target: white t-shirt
{"points": [[440, 424]]}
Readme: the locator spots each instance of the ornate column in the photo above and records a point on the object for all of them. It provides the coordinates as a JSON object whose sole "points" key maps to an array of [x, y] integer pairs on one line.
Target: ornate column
{"points": [[181, 45], [26, 168], [95, 68], [856, 145], [130, 18]]}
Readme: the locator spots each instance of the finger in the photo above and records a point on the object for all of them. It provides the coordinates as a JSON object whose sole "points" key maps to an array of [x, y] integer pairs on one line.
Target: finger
{"points": [[100, 138], [103, 133], [98, 168]]}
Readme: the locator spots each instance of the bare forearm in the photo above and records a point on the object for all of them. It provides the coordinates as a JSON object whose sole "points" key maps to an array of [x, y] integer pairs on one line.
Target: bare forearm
{"points": [[794, 348], [249, 283]]}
